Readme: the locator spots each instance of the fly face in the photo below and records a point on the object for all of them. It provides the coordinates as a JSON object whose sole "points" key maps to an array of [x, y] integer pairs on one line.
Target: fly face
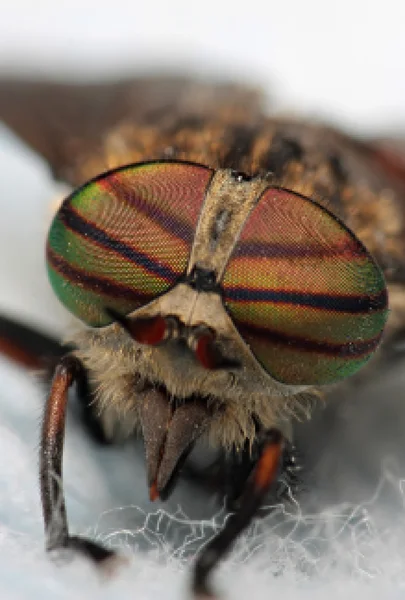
{"points": [[230, 293], [210, 299]]}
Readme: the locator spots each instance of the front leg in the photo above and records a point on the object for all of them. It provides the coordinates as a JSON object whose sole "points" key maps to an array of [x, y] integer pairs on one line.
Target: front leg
{"points": [[238, 467], [263, 477], [68, 370]]}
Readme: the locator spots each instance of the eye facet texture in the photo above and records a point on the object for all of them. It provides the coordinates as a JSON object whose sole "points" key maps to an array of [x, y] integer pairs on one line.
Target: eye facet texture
{"points": [[125, 238], [303, 292]]}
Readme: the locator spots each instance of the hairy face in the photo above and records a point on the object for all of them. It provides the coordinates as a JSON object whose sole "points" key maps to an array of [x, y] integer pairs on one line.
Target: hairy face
{"points": [[271, 302]]}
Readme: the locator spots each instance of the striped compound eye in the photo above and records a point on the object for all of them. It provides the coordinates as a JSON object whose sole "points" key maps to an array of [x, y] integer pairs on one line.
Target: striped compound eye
{"points": [[303, 291], [125, 238]]}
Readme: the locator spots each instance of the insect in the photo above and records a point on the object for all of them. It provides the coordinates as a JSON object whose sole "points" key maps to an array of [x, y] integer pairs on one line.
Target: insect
{"points": [[224, 263]]}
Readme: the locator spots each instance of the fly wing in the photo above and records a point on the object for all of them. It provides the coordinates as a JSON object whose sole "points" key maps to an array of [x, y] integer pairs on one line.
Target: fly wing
{"points": [[70, 124]]}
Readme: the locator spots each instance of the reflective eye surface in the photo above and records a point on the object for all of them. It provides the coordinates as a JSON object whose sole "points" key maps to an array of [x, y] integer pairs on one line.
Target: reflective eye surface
{"points": [[125, 238], [303, 291]]}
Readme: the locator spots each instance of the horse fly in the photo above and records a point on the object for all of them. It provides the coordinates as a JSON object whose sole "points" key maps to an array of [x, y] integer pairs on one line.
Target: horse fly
{"points": [[224, 263]]}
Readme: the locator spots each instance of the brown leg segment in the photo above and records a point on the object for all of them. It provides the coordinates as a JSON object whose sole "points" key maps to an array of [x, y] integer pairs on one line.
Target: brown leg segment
{"points": [[51, 454], [264, 475], [26, 346]]}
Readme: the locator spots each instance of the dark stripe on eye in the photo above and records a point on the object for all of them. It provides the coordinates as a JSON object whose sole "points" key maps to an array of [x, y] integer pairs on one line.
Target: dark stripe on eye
{"points": [[349, 304], [268, 251], [169, 223], [354, 350], [98, 285], [76, 223]]}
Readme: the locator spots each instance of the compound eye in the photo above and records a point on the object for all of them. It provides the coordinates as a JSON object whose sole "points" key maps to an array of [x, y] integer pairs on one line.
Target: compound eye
{"points": [[124, 238], [303, 291]]}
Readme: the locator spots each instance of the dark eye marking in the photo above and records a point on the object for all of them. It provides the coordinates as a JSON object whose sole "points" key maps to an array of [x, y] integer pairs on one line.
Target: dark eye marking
{"points": [[352, 349], [92, 283], [348, 304], [166, 220], [75, 222], [282, 151], [279, 250]]}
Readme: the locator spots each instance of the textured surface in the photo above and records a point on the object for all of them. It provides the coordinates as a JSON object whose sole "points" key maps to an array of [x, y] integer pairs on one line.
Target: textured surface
{"points": [[125, 238], [303, 292]]}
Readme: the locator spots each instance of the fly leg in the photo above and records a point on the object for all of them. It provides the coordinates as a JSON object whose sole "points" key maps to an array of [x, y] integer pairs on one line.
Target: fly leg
{"points": [[68, 370], [27, 346], [263, 477], [239, 466], [228, 473]]}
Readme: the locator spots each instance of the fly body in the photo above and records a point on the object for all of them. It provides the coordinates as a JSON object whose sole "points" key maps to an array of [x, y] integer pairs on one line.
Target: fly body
{"points": [[224, 264]]}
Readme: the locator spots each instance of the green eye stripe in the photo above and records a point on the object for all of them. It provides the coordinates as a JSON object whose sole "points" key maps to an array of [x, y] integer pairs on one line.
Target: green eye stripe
{"points": [[115, 263], [125, 238], [303, 291], [89, 306]]}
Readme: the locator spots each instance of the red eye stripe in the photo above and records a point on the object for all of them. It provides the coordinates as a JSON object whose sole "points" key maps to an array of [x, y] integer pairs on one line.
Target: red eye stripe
{"points": [[169, 223], [342, 248], [303, 291]]}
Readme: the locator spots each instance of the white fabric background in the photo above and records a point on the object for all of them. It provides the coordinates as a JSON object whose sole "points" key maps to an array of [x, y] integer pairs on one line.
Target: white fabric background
{"points": [[342, 60]]}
